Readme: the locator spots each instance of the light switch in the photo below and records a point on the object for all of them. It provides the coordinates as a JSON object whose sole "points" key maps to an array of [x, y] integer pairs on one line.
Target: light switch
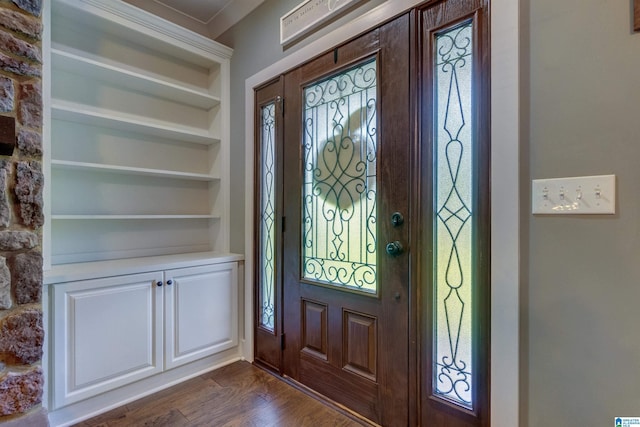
{"points": [[575, 195]]}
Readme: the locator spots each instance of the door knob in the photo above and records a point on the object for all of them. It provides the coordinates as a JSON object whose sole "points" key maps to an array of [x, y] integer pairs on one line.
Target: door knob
{"points": [[394, 248]]}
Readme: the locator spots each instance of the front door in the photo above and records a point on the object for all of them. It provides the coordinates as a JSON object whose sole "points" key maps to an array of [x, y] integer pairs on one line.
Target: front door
{"points": [[347, 150]]}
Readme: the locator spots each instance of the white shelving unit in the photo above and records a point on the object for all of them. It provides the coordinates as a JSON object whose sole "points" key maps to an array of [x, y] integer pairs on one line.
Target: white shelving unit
{"points": [[137, 214], [139, 136]]}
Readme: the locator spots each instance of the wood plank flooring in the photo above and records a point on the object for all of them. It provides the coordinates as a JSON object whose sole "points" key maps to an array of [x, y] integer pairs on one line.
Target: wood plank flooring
{"points": [[236, 395]]}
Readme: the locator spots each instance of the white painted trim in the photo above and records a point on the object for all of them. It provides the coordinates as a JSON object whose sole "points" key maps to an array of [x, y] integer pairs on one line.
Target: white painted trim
{"points": [[46, 170], [223, 239], [46, 133], [170, 14], [151, 25], [89, 408], [230, 15], [505, 213], [505, 230], [312, 17]]}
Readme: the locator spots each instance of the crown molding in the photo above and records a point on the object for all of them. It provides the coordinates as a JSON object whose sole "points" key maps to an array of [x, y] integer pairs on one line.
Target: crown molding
{"points": [[230, 15], [146, 23]]}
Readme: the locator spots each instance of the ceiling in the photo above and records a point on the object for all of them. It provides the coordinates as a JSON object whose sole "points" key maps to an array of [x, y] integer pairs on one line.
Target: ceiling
{"points": [[210, 18], [200, 10]]}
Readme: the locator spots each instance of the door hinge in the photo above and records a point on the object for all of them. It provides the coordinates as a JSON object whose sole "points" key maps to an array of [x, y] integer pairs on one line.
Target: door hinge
{"points": [[282, 342], [284, 223]]}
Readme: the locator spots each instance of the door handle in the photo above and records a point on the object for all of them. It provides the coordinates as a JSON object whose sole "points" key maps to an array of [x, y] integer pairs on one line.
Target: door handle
{"points": [[394, 248]]}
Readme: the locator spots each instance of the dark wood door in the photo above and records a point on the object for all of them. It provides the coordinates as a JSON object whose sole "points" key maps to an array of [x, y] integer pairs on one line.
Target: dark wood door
{"points": [[347, 147]]}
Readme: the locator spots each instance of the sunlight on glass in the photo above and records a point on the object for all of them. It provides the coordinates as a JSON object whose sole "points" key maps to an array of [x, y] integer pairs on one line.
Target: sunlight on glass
{"points": [[339, 179], [267, 216], [453, 346]]}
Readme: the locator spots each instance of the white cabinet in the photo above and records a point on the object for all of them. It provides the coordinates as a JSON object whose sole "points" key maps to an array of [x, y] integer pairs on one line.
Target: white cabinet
{"points": [[138, 136], [105, 334], [200, 312], [114, 331]]}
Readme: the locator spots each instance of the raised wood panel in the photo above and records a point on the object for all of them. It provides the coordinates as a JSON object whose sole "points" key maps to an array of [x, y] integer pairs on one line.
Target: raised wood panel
{"points": [[353, 391], [314, 329], [201, 306], [94, 317], [360, 344], [636, 15]]}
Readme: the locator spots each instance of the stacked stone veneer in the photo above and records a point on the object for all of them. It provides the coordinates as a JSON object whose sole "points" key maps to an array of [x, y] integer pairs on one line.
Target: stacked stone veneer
{"points": [[21, 216]]}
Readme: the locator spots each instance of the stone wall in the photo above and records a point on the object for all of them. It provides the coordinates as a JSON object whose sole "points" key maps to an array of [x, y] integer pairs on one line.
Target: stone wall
{"points": [[21, 216]]}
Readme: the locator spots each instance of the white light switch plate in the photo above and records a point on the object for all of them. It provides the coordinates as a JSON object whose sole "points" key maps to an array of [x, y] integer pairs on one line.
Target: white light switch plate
{"points": [[576, 195]]}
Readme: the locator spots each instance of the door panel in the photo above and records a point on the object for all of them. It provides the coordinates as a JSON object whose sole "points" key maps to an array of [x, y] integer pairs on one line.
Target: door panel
{"points": [[345, 299]]}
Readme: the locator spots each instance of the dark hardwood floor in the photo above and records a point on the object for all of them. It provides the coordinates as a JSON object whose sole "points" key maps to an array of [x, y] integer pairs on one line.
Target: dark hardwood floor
{"points": [[236, 395]]}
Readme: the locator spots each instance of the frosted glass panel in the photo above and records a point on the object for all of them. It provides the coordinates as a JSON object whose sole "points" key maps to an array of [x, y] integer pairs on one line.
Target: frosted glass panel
{"points": [[267, 216], [454, 175], [339, 174]]}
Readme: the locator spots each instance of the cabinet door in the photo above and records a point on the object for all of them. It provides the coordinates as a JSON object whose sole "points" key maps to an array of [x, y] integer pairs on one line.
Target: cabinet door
{"points": [[201, 312], [106, 333]]}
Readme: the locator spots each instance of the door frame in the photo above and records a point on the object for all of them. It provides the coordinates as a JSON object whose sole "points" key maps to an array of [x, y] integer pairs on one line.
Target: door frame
{"points": [[506, 341]]}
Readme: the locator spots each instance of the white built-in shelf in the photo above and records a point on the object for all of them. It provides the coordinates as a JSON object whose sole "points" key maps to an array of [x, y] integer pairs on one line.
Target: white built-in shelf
{"points": [[97, 167], [87, 270], [130, 23], [117, 74], [85, 114], [129, 217], [139, 137]]}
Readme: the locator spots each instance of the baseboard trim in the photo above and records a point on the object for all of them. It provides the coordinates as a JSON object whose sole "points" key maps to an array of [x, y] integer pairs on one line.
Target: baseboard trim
{"points": [[89, 408]]}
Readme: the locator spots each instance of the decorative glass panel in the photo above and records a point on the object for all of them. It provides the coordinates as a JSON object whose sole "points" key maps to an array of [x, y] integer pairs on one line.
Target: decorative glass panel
{"points": [[339, 188], [453, 185], [267, 216]]}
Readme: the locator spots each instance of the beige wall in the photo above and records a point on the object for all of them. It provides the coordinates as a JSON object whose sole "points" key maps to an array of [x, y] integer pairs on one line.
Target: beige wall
{"points": [[584, 272], [256, 44]]}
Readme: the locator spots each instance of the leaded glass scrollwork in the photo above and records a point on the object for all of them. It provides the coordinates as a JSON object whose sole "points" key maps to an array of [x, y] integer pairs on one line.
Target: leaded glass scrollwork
{"points": [[339, 179], [453, 189], [267, 216]]}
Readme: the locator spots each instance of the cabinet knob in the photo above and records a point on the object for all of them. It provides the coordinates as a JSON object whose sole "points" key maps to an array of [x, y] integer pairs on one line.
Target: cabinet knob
{"points": [[159, 283], [169, 282]]}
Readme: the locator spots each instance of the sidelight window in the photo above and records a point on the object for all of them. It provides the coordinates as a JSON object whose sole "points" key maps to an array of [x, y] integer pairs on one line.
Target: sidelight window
{"points": [[267, 216], [454, 177]]}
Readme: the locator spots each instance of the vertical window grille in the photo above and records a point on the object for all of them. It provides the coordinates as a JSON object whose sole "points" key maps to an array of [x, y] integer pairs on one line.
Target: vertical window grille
{"points": [[454, 178], [267, 216]]}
